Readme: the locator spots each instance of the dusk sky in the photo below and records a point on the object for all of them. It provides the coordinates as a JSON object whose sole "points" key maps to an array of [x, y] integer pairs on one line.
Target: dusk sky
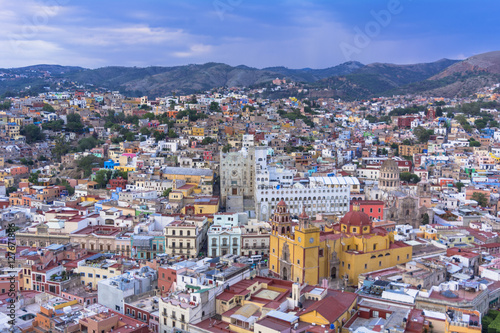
{"points": [[255, 33]]}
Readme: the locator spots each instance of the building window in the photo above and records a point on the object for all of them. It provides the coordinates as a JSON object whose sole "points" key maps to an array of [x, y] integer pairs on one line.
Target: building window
{"points": [[380, 263], [366, 266], [374, 247], [348, 266], [298, 261]]}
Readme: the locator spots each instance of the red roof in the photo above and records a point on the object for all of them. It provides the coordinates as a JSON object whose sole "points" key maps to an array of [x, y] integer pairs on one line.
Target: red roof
{"points": [[281, 203], [332, 307], [356, 218]]}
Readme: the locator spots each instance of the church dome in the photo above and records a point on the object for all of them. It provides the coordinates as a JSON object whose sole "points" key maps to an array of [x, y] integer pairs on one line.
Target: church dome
{"points": [[389, 165], [356, 219]]}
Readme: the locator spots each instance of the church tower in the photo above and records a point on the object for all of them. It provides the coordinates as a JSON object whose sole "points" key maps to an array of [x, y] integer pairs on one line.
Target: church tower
{"points": [[281, 222], [389, 176]]}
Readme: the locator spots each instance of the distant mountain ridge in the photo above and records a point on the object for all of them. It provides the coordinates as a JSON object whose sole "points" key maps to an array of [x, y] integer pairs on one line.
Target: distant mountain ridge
{"points": [[350, 80]]}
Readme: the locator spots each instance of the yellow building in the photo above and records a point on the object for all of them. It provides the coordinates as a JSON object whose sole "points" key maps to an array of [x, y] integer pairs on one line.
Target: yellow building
{"points": [[13, 130], [198, 131], [125, 168], [94, 270], [305, 254]]}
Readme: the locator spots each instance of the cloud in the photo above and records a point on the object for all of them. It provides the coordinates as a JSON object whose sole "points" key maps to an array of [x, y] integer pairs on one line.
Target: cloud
{"points": [[194, 51]]}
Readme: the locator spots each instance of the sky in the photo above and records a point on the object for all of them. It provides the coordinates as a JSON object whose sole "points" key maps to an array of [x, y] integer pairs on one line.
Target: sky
{"points": [[256, 33]]}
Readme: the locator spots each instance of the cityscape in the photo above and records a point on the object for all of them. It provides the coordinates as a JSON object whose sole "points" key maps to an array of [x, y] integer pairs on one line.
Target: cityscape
{"points": [[141, 195]]}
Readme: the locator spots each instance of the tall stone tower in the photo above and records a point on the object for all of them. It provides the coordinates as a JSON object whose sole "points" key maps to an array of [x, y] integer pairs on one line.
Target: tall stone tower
{"points": [[389, 176]]}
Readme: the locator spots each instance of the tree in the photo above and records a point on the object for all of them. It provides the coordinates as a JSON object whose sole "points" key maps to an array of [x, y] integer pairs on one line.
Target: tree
{"points": [[55, 125], [33, 178], [74, 123], [422, 134], [47, 107], [145, 131], [409, 177], [5, 105], [480, 198], [172, 134], [61, 148], [480, 123], [87, 143], [459, 186], [130, 136], [159, 135], [86, 164], [439, 111], [11, 189], [102, 177], [425, 219], [69, 188], [493, 124], [32, 133], [207, 140], [226, 148], [166, 192], [474, 143], [214, 107], [407, 142]]}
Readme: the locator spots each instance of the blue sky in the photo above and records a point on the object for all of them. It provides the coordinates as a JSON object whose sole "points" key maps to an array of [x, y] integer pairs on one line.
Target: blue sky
{"points": [[257, 33]]}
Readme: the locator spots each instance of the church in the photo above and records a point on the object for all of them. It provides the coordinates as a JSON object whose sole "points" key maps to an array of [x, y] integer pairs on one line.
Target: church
{"points": [[403, 205], [305, 253]]}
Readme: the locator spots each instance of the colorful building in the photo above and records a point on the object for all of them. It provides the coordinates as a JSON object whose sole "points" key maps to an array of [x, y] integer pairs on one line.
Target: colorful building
{"points": [[305, 254]]}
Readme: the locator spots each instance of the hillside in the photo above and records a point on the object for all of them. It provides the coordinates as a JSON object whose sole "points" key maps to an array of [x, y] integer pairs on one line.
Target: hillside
{"points": [[350, 80]]}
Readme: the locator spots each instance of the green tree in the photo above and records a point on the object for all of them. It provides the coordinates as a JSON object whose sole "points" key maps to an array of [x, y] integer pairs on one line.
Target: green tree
{"points": [[207, 140], [32, 133], [425, 219], [87, 143], [47, 107], [172, 134], [166, 192], [494, 124], [459, 186], [226, 148], [130, 136], [69, 188], [5, 105], [145, 131], [480, 198], [480, 124], [439, 111], [422, 134], [214, 107], [33, 178], [159, 135], [55, 125], [74, 123], [474, 143], [86, 164], [102, 177], [61, 148], [11, 189]]}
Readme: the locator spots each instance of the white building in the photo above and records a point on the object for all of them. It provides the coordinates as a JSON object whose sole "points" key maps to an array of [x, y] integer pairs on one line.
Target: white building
{"points": [[321, 195]]}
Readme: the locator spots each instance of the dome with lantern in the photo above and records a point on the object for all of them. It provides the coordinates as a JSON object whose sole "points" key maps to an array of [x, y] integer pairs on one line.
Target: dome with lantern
{"points": [[356, 221]]}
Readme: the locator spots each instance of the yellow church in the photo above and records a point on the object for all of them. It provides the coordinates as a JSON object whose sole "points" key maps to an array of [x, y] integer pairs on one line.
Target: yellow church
{"points": [[305, 253]]}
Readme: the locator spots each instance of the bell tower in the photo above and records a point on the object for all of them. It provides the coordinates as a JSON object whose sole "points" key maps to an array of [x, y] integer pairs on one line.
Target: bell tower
{"points": [[281, 221]]}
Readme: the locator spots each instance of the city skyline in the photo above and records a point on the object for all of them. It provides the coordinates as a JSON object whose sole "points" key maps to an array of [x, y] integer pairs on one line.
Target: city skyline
{"points": [[295, 34]]}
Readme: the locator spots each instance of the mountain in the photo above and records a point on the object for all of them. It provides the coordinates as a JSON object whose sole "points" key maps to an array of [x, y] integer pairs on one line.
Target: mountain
{"points": [[380, 79], [311, 75], [460, 79], [350, 80], [485, 63]]}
